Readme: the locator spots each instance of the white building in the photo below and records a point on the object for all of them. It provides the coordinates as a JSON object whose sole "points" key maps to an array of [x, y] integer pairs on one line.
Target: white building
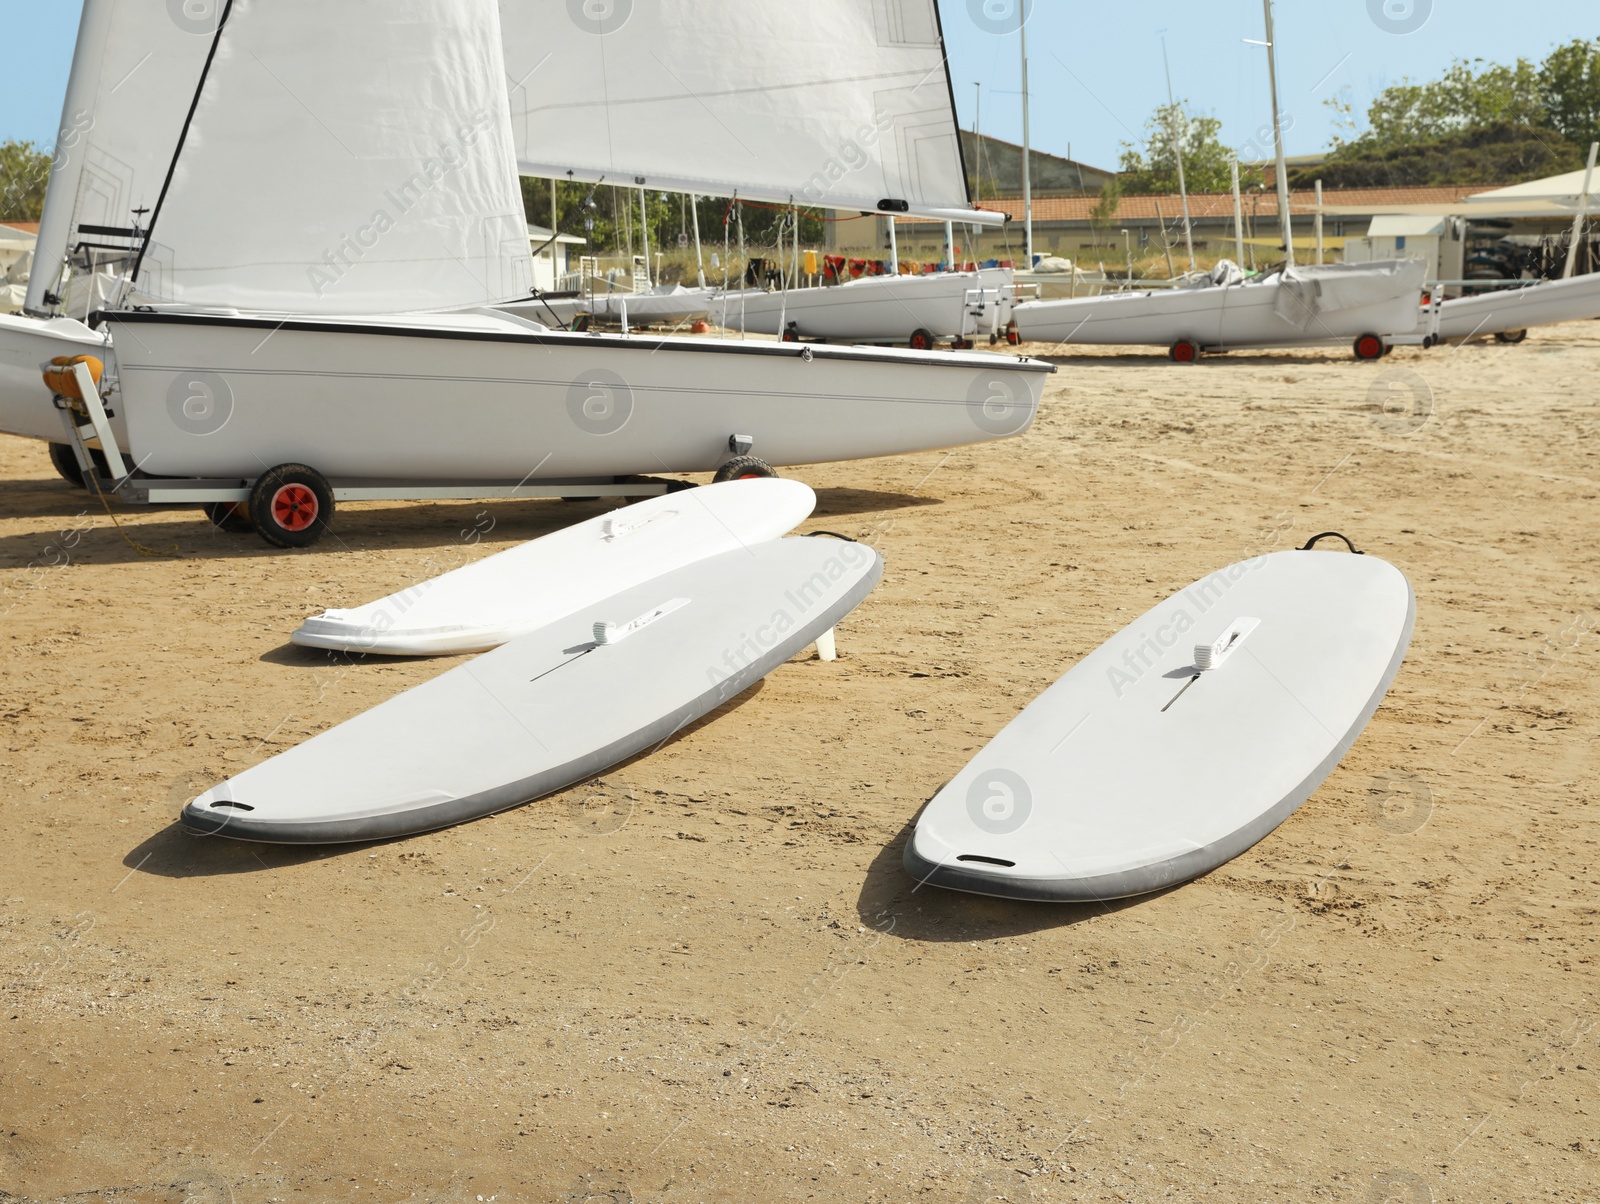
{"points": [[552, 258]]}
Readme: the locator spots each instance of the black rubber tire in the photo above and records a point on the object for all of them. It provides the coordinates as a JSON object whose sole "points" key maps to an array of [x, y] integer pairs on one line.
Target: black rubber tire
{"points": [[921, 340], [1510, 336], [232, 517], [1368, 347], [1184, 351], [290, 505], [66, 464], [743, 467]]}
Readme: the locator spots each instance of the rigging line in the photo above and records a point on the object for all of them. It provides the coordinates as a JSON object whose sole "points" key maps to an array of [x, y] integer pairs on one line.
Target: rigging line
{"points": [[183, 136]]}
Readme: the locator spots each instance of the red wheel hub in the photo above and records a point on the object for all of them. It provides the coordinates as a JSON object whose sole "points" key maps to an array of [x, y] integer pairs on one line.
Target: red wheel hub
{"points": [[1370, 348], [295, 507], [1183, 353]]}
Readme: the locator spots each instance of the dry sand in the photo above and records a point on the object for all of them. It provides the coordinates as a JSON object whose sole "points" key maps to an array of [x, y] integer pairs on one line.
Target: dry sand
{"points": [[706, 977]]}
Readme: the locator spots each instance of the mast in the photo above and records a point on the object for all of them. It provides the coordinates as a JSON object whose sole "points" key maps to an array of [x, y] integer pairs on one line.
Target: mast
{"points": [[1027, 180], [1317, 224], [1238, 217], [1177, 150], [1577, 222], [555, 242], [1284, 221], [699, 263], [977, 136], [644, 234]]}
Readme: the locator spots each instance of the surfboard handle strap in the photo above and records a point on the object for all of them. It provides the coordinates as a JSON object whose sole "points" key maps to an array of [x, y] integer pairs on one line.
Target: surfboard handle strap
{"points": [[1312, 542]]}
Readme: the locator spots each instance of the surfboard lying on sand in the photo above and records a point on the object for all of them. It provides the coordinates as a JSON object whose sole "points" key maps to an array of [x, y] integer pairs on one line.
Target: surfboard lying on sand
{"points": [[552, 707], [484, 604], [1180, 742]]}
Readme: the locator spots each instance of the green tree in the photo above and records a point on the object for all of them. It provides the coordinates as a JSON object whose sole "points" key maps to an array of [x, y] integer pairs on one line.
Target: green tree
{"points": [[1207, 163], [24, 172], [1569, 86], [1104, 214], [1463, 99], [1485, 155]]}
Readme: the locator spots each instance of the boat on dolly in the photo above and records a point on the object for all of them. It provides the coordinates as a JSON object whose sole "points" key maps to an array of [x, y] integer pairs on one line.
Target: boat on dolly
{"points": [[1372, 306]]}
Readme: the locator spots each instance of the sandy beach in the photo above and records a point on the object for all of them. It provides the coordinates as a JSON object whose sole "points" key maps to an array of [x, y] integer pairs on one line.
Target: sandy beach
{"points": [[706, 977]]}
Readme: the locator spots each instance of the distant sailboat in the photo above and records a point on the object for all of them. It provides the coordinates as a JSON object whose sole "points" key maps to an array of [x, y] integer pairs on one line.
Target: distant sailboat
{"points": [[1293, 306]]}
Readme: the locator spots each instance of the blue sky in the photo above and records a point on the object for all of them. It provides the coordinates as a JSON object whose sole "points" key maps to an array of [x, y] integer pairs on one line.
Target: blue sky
{"points": [[1094, 68]]}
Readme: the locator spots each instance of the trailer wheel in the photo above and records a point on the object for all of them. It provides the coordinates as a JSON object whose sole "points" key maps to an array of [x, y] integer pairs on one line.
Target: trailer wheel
{"points": [[791, 333], [1510, 336], [960, 344], [231, 517], [290, 505], [921, 340], [1368, 347], [1184, 351], [66, 464], [742, 468]]}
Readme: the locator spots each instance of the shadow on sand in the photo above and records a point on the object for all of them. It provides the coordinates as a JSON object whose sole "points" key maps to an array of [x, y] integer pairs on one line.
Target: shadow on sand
{"points": [[896, 904], [175, 852]]}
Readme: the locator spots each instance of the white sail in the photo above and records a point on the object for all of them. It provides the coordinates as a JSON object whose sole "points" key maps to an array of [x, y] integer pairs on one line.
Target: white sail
{"points": [[840, 103], [345, 156], [134, 73]]}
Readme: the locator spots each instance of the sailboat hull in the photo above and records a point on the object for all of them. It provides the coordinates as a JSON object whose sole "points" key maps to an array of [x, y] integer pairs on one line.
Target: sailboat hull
{"points": [[640, 309], [483, 397], [26, 344], [879, 309], [1517, 309], [1217, 317]]}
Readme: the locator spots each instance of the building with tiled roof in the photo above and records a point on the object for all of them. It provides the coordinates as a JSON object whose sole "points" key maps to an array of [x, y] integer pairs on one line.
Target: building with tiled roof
{"points": [[1063, 226]]}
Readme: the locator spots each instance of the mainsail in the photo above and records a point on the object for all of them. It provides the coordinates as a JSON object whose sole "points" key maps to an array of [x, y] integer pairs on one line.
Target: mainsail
{"points": [[134, 74], [844, 104], [344, 156]]}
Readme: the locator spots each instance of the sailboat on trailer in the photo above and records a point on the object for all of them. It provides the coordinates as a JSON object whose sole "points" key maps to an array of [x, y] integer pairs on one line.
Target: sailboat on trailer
{"points": [[134, 73], [1293, 306], [319, 203]]}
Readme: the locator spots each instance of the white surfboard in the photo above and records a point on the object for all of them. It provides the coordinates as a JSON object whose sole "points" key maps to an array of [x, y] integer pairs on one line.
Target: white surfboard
{"points": [[553, 707], [1181, 741], [484, 604]]}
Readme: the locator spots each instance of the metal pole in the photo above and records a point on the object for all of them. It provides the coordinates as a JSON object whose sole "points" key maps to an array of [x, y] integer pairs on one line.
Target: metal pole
{"points": [[894, 250], [1166, 243], [977, 137], [796, 210], [1316, 224], [1177, 151], [644, 233], [555, 244], [699, 264], [949, 246], [1027, 178], [1577, 222], [1284, 221], [1238, 218]]}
